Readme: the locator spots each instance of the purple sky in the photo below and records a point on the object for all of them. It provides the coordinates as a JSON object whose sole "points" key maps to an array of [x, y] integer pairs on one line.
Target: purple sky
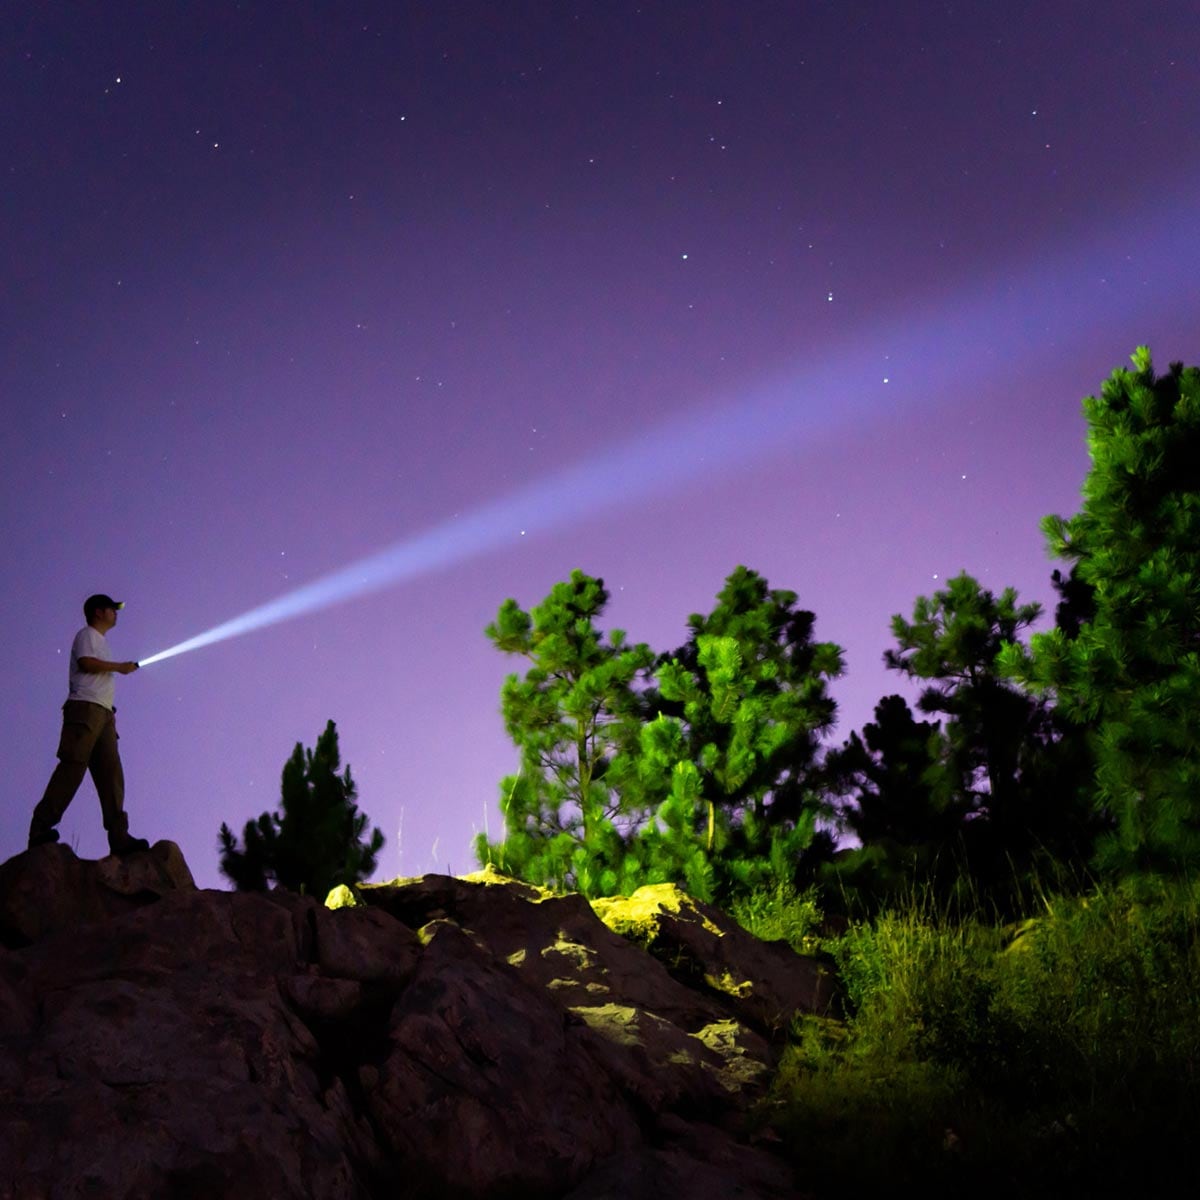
{"points": [[816, 288]]}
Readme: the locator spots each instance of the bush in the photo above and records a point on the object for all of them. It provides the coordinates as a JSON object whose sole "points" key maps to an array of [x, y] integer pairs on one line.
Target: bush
{"points": [[780, 914], [1062, 1052]]}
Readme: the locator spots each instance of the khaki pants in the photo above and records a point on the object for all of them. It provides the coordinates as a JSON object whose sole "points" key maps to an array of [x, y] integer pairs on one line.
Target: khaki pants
{"points": [[88, 743]]}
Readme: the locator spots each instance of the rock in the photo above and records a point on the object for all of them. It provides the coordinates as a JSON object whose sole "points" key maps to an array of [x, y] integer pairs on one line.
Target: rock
{"points": [[467, 1038], [18, 1016], [556, 942], [666, 1068], [315, 998], [167, 1062], [763, 983], [365, 944], [341, 897], [47, 888], [484, 1088], [155, 872], [704, 1163], [647, 1027]]}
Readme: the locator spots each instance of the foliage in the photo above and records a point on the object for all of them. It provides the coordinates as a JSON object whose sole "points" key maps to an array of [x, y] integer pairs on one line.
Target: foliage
{"points": [[317, 841], [1055, 1056], [981, 796], [703, 766], [951, 644], [1131, 672], [576, 719], [780, 914], [894, 771], [741, 707], [698, 773]]}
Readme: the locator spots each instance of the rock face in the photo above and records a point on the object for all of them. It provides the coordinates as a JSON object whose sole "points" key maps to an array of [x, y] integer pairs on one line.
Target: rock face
{"points": [[49, 889], [447, 1038], [765, 983]]}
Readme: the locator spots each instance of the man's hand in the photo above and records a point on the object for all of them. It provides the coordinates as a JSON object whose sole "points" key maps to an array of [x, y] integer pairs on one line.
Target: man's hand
{"points": [[127, 668]]}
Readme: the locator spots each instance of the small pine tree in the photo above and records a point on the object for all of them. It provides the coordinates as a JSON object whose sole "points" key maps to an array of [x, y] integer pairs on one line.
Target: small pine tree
{"points": [[317, 841], [952, 644], [1014, 774], [893, 775]]}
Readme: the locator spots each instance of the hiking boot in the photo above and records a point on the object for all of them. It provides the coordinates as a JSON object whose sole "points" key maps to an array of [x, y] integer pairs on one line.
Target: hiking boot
{"points": [[126, 845], [43, 837]]}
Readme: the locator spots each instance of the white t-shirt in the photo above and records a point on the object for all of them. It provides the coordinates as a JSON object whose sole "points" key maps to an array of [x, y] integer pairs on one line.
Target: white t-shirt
{"points": [[96, 686]]}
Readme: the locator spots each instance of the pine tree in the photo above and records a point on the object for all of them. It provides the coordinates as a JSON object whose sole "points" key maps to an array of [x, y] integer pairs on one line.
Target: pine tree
{"points": [[1131, 673], [952, 643], [996, 791], [902, 804], [1076, 601], [748, 693], [317, 841], [672, 845], [576, 718], [893, 772]]}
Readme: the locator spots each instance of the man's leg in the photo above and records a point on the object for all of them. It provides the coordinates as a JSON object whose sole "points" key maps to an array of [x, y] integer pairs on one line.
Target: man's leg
{"points": [[109, 777], [80, 731], [60, 791]]}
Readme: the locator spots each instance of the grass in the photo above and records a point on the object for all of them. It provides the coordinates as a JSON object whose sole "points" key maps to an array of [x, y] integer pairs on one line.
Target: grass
{"points": [[781, 915], [1057, 1054]]}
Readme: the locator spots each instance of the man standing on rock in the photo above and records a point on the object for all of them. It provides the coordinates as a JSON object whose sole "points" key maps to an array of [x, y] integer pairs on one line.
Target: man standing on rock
{"points": [[89, 735]]}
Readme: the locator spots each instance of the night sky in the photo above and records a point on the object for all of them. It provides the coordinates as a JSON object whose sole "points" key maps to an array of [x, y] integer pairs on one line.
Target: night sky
{"points": [[649, 291]]}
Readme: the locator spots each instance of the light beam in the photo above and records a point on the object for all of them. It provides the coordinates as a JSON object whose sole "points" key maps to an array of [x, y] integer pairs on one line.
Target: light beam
{"points": [[926, 358]]}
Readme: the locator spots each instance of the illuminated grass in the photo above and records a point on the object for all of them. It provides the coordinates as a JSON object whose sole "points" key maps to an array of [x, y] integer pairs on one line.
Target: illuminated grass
{"points": [[1062, 1052], [781, 915]]}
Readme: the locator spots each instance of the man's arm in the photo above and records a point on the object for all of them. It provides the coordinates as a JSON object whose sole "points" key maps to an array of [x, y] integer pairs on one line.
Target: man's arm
{"points": [[97, 666]]}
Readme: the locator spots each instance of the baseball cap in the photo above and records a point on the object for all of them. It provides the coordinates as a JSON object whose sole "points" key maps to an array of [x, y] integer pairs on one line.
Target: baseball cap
{"points": [[98, 601]]}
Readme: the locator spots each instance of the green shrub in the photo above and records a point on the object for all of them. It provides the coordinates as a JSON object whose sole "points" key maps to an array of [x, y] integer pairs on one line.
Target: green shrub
{"points": [[780, 914], [1059, 1052]]}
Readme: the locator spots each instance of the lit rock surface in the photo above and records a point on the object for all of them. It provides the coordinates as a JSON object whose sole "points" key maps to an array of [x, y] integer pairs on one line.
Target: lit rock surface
{"points": [[763, 983], [441, 1038]]}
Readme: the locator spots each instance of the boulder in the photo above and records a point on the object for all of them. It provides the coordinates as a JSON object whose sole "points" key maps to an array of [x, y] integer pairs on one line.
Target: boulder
{"points": [[364, 944], [658, 1034], [439, 1037], [763, 983], [166, 1060], [701, 1162], [484, 1088], [556, 942], [47, 888]]}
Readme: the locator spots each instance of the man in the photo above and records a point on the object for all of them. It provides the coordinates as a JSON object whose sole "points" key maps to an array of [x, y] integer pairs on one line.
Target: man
{"points": [[89, 735]]}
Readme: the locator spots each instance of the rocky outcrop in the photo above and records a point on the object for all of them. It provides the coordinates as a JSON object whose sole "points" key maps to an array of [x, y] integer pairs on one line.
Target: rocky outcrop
{"points": [[49, 889], [444, 1038], [764, 983]]}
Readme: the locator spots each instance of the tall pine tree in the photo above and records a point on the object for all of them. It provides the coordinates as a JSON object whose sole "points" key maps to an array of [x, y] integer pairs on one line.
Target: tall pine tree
{"points": [[749, 693], [1131, 672], [893, 772], [576, 718], [902, 804]]}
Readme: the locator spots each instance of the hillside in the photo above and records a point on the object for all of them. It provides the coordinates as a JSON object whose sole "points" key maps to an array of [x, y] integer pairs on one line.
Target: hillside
{"points": [[444, 1038]]}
